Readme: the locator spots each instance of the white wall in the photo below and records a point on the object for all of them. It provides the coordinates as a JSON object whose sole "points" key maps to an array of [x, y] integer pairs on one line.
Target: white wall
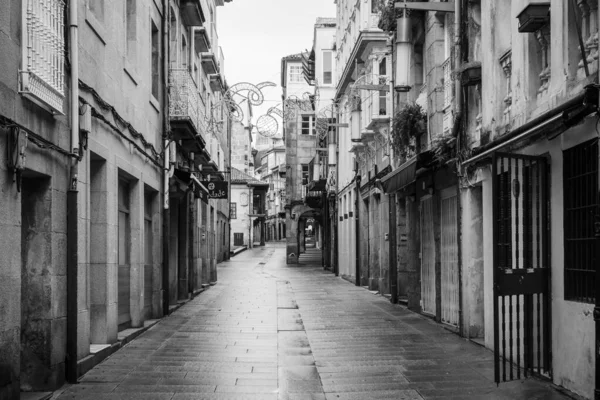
{"points": [[242, 223]]}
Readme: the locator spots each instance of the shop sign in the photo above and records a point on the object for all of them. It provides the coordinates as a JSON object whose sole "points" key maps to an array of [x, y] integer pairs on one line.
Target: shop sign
{"points": [[216, 190]]}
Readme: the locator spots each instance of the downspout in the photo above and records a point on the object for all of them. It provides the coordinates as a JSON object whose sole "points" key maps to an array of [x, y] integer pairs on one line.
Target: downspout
{"points": [[229, 134], [166, 222], [335, 254], [458, 121], [357, 227], [458, 58], [72, 206], [597, 304]]}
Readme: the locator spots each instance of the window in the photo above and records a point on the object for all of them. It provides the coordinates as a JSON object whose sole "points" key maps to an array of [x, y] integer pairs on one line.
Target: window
{"points": [[580, 180], [184, 51], [382, 81], [308, 125], [155, 60], [327, 67], [233, 211], [130, 25], [295, 74], [305, 174], [173, 33], [375, 6], [42, 70]]}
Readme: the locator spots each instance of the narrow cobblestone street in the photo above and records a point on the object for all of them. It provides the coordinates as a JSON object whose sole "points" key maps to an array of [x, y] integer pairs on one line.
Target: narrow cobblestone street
{"points": [[269, 331]]}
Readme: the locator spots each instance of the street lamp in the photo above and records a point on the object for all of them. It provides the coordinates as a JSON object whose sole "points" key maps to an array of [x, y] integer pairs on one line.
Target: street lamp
{"points": [[403, 53]]}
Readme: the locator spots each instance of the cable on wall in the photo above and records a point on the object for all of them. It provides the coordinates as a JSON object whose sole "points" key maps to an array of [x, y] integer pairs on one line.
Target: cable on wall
{"points": [[117, 117]]}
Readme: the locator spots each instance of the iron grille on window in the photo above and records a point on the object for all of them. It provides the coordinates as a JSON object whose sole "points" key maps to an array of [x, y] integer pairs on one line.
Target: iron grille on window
{"points": [[42, 77], [580, 180]]}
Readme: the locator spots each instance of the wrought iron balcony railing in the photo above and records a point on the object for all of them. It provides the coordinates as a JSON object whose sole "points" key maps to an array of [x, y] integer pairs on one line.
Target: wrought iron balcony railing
{"points": [[184, 100]]}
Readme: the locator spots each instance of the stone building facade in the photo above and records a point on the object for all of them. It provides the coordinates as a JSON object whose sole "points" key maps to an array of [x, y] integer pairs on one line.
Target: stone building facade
{"points": [[532, 123], [92, 221], [299, 148], [364, 114], [309, 128], [492, 194], [241, 147], [272, 170]]}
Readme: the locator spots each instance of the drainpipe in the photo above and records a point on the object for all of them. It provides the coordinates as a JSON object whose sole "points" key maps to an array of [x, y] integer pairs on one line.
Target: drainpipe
{"points": [[597, 304], [166, 222], [458, 57], [72, 211], [458, 110], [229, 134], [357, 230]]}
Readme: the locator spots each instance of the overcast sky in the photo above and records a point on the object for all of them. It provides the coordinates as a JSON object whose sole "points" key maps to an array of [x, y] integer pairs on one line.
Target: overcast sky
{"points": [[256, 34]]}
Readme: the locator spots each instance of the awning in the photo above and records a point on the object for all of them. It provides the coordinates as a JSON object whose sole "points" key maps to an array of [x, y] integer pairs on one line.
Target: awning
{"points": [[183, 175], [401, 177], [199, 190], [552, 123]]}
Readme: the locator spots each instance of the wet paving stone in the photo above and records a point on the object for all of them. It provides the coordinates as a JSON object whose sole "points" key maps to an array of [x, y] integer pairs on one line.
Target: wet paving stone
{"points": [[270, 331]]}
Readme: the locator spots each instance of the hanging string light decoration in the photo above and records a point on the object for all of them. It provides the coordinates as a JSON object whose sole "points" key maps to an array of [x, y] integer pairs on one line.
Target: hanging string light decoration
{"points": [[229, 104]]}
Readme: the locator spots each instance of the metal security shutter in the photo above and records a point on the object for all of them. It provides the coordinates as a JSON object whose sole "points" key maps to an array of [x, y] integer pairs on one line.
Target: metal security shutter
{"points": [[449, 260], [427, 257], [522, 327]]}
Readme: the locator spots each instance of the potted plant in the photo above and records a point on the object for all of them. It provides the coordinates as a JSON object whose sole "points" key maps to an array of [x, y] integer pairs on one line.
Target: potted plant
{"points": [[409, 123]]}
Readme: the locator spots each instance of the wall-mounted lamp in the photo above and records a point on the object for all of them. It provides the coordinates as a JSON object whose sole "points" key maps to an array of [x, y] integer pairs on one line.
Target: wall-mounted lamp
{"points": [[403, 54]]}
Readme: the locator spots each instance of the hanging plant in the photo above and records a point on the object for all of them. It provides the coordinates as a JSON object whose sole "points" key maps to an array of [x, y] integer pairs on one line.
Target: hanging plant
{"points": [[444, 148], [387, 15], [409, 123]]}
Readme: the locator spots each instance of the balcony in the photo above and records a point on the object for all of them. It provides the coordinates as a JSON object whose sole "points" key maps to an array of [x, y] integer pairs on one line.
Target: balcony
{"points": [[366, 136], [185, 111], [202, 41], [210, 59], [216, 82], [209, 62], [191, 12]]}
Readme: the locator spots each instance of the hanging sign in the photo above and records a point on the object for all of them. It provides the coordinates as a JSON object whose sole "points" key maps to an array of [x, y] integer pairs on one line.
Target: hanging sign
{"points": [[216, 190]]}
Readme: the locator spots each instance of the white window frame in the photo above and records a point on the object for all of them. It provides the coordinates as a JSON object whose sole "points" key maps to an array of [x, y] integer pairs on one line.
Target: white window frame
{"points": [[330, 52], [295, 77], [311, 124]]}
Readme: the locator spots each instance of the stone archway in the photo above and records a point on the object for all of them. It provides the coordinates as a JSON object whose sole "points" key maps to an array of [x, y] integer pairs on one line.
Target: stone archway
{"points": [[293, 217]]}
